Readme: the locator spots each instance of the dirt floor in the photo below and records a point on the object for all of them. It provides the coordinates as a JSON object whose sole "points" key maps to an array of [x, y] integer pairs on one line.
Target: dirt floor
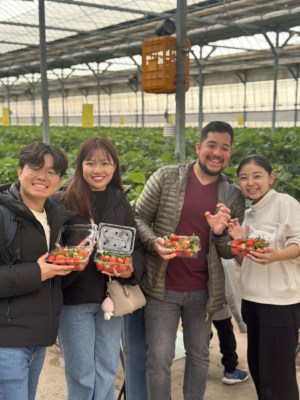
{"points": [[52, 384]]}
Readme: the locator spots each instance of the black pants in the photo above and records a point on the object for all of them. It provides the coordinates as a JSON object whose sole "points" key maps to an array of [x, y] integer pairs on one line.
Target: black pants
{"points": [[227, 342], [272, 341]]}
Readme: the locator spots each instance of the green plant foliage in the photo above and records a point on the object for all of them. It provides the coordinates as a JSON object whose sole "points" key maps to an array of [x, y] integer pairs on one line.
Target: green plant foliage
{"points": [[143, 151], [8, 170]]}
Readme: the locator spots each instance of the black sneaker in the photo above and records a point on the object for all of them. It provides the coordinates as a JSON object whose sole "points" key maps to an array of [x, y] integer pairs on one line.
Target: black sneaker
{"points": [[237, 376]]}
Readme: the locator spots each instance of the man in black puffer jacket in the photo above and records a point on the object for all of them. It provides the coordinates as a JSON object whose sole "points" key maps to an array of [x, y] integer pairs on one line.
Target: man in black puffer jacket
{"points": [[30, 288]]}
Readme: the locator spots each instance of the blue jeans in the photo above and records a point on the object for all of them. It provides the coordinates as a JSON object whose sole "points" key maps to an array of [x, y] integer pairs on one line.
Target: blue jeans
{"points": [[91, 350], [20, 368], [134, 349], [162, 321]]}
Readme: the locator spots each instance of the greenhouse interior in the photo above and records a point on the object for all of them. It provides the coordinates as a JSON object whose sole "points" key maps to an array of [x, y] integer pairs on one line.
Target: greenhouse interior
{"points": [[82, 63]]}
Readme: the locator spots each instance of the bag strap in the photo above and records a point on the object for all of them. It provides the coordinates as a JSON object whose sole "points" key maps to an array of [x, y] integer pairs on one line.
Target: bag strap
{"points": [[11, 229]]}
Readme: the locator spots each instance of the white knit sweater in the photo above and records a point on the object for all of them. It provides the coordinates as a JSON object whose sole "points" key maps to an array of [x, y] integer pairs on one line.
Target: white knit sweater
{"points": [[276, 217]]}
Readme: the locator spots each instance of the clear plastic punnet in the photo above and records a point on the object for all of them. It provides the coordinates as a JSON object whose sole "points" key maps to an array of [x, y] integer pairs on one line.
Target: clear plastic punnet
{"points": [[245, 244], [114, 247], [74, 245], [183, 245]]}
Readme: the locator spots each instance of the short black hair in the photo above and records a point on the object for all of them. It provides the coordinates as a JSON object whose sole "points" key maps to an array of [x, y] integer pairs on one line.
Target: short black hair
{"points": [[216, 126], [33, 154]]}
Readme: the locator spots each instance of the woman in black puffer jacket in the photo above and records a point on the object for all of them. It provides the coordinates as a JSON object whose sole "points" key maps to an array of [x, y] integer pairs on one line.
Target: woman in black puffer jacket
{"points": [[91, 344]]}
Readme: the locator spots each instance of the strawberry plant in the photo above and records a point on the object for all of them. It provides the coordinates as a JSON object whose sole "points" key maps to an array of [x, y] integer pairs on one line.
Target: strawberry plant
{"points": [[143, 150]]}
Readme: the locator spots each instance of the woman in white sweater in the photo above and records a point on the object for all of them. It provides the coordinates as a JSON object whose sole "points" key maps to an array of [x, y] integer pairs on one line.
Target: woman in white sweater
{"points": [[270, 281]]}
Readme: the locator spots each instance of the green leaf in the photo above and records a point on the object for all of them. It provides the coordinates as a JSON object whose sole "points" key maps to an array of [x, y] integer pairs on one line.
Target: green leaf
{"points": [[137, 177]]}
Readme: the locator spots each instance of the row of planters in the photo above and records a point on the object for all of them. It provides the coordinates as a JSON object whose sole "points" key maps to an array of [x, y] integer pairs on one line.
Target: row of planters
{"points": [[143, 151]]}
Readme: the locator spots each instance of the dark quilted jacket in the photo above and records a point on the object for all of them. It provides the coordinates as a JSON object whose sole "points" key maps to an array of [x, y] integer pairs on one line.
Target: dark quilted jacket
{"points": [[157, 213]]}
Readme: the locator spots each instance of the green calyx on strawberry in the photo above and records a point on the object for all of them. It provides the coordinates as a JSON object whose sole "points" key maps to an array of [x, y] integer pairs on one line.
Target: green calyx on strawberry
{"points": [[187, 246], [245, 244], [109, 262], [76, 256]]}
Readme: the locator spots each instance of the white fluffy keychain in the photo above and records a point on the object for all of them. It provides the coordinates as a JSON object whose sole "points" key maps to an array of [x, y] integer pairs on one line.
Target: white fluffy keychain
{"points": [[108, 308]]}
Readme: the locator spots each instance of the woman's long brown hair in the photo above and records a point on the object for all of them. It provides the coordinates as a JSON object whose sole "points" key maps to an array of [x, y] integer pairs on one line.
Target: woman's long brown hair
{"points": [[78, 197]]}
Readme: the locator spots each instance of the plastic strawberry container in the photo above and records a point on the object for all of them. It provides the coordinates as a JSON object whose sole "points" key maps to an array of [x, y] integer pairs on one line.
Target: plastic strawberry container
{"points": [[109, 262], [245, 244], [70, 255], [114, 247], [183, 245], [75, 245]]}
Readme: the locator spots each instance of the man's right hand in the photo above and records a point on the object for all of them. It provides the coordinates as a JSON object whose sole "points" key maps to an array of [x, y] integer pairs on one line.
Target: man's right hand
{"points": [[165, 253], [49, 271]]}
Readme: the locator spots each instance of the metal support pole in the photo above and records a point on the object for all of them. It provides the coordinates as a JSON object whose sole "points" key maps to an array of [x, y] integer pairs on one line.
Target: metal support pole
{"points": [[62, 83], [136, 102], [110, 109], [276, 51], [295, 72], [8, 103], [200, 85], [139, 79], [97, 76], [43, 69], [15, 98], [143, 108], [296, 99], [33, 105], [98, 100], [275, 78], [181, 49], [64, 96], [243, 78], [98, 94], [201, 63]]}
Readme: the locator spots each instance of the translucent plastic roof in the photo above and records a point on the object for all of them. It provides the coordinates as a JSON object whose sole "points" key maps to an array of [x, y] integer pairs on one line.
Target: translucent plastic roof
{"points": [[88, 35], [65, 18]]}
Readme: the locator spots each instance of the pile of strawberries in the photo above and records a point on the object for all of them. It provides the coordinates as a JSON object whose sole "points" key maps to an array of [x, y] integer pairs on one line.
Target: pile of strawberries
{"points": [[246, 244], [76, 256], [186, 246], [109, 262]]}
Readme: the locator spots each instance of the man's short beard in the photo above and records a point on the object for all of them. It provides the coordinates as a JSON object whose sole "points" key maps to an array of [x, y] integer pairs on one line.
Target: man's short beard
{"points": [[207, 171]]}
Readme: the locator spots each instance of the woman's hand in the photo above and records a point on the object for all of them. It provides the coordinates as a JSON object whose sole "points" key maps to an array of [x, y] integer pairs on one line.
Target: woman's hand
{"points": [[271, 254], [235, 230]]}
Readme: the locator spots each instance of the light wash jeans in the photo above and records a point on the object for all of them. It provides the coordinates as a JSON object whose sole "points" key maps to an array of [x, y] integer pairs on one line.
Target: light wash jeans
{"points": [[134, 349], [91, 349], [162, 321], [20, 368]]}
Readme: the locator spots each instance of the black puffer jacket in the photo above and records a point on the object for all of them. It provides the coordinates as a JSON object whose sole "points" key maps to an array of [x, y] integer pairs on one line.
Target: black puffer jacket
{"points": [[29, 308], [89, 286]]}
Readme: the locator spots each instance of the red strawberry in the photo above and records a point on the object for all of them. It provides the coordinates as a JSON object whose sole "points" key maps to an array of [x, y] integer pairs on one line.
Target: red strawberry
{"points": [[235, 251], [121, 268]]}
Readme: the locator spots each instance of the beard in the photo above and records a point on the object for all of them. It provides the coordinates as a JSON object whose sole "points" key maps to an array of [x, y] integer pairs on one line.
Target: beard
{"points": [[207, 171]]}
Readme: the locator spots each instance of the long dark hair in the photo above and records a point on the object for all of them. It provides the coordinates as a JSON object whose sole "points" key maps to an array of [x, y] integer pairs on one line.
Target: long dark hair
{"points": [[78, 197]]}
